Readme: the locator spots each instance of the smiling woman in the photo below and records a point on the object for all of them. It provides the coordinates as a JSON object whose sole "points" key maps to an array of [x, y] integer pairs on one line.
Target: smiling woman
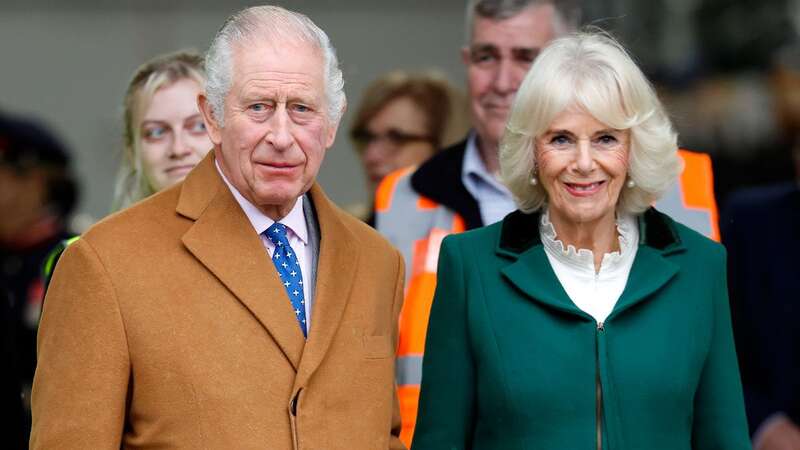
{"points": [[165, 136], [586, 319]]}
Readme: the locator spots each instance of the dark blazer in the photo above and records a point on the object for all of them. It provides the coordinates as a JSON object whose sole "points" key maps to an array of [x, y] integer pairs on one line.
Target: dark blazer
{"points": [[761, 229], [511, 362], [166, 326], [439, 179]]}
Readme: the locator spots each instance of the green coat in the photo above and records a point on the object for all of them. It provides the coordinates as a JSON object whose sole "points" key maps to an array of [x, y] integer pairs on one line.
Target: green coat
{"points": [[511, 363]]}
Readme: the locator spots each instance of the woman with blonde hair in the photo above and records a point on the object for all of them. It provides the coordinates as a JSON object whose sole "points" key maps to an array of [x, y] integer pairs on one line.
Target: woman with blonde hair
{"points": [[164, 134], [586, 319]]}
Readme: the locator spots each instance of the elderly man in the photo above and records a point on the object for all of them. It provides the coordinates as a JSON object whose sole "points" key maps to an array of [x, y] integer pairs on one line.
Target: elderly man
{"points": [[241, 308]]}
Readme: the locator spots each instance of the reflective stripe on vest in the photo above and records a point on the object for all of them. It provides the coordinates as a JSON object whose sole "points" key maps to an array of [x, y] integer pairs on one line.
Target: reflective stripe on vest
{"points": [[416, 226], [691, 201]]}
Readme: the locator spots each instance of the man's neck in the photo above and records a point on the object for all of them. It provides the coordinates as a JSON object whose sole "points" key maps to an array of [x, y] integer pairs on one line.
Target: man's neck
{"points": [[488, 149]]}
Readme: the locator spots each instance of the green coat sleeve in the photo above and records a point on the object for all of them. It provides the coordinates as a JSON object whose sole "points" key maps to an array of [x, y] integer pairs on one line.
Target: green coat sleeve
{"points": [[447, 397], [719, 417]]}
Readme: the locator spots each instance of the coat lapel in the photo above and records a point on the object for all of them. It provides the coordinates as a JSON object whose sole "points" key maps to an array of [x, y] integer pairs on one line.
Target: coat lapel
{"points": [[651, 269], [336, 270], [531, 273], [223, 240]]}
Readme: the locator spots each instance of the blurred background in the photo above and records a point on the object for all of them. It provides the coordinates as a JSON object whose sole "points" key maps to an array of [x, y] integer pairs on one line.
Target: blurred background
{"points": [[729, 71]]}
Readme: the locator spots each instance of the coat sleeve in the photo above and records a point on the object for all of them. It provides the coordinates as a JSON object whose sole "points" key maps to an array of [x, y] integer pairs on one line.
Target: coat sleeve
{"points": [[719, 417], [394, 439], [81, 382], [447, 397]]}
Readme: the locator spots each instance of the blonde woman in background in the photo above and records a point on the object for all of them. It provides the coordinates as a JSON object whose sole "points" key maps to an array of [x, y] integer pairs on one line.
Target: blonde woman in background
{"points": [[163, 130]]}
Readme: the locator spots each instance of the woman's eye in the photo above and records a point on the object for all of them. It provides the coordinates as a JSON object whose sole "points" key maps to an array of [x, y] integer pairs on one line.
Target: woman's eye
{"points": [[560, 140], [155, 132], [607, 139], [197, 127]]}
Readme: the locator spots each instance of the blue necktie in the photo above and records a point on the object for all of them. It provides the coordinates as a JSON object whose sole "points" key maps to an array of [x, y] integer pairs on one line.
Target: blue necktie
{"points": [[289, 270]]}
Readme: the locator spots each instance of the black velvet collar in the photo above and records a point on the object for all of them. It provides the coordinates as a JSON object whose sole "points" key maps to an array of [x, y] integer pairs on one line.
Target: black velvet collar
{"points": [[439, 179], [520, 232]]}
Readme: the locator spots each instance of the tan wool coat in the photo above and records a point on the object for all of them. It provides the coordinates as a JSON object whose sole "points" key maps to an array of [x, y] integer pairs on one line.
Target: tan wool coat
{"points": [[166, 326]]}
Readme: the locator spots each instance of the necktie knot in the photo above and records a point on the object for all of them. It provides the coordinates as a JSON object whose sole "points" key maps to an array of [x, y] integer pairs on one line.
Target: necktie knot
{"points": [[277, 233]]}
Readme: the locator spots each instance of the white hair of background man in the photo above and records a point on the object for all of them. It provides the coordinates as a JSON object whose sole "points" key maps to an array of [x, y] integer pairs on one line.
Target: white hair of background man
{"points": [[273, 24], [594, 72], [565, 20]]}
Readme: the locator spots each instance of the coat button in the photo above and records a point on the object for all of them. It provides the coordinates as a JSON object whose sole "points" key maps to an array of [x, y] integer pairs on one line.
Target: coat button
{"points": [[293, 403]]}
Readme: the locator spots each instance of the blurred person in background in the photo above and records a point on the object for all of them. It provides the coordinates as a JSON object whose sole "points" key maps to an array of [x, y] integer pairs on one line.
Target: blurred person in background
{"points": [[587, 318], [404, 119], [38, 192], [163, 131], [761, 229]]}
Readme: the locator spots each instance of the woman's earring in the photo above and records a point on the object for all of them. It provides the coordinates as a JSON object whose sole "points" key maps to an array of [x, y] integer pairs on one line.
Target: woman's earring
{"points": [[533, 181], [631, 184]]}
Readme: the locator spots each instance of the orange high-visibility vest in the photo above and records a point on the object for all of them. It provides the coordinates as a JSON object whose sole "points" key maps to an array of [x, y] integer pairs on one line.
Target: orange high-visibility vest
{"points": [[416, 225]]}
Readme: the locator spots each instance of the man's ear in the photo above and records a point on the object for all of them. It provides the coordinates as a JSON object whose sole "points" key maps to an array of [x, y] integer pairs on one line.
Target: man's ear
{"points": [[466, 58], [333, 127], [212, 125]]}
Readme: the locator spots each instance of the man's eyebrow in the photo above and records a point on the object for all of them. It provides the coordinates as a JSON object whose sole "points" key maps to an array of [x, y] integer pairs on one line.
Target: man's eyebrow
{"points": [[525, 51], [481, 47]]}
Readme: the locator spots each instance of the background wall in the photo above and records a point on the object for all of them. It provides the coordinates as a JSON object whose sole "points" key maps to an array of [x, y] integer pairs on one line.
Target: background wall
{"points": [[728, 70], [69, 62]]}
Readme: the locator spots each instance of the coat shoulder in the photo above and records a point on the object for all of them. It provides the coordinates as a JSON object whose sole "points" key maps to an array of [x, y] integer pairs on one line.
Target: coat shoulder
{"points": [[150, 220]]}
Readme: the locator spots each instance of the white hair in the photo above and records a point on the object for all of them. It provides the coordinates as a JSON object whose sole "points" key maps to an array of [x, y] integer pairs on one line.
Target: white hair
{"points": [[594, 72], [274, 24]]}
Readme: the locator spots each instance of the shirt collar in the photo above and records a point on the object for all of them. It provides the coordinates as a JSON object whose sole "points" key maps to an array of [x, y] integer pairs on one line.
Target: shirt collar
{"points": [[295, 220], [474, 171]]}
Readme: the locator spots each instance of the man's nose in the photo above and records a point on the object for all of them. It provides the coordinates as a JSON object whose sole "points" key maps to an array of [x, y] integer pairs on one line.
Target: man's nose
{"points": [[279, 134], [506, 79]]}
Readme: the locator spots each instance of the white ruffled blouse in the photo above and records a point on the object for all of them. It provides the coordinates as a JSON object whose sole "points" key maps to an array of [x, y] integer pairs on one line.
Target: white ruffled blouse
{"points": [[595, 293]]}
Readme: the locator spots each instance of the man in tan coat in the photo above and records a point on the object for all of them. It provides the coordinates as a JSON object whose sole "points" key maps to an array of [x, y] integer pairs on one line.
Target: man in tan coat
{"points": [[240, 309]]}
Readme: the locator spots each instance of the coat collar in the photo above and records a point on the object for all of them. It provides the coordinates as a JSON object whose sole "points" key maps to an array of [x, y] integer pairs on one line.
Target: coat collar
{"points": [[439, 179], [530, 270], [223, 240]]}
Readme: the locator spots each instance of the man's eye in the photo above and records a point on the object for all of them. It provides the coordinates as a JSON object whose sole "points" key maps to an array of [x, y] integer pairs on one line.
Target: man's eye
{"points": [[258, 107], [525, 56], [301, 108], [483, 57]]}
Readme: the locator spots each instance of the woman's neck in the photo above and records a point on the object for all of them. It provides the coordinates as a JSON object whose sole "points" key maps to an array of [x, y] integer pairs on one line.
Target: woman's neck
{"points": [[599, 236]]}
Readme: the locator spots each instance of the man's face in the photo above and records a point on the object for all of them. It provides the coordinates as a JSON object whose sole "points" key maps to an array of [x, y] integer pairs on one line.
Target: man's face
{"points": [[276, 127], [497, 59]]}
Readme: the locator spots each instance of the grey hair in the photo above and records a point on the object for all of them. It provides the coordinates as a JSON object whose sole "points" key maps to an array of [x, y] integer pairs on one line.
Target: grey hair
{"points": [[271, 23], [565, 20], [594, 72]]}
